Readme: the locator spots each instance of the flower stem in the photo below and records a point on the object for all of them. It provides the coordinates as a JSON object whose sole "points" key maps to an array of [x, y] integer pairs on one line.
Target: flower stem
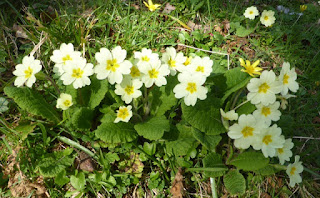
{"points": [[213, 188]]}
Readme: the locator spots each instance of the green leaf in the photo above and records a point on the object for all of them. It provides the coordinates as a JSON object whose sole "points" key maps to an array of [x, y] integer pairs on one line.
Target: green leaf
{"points": [[25, 129], [250, 161], [82, 118], [154, 128], [246, 109], [205, 116], [213, 160], [98, 89], [79, 181], [235, 80], [185, 142], [31, 101], [234, 182], [54, 163], [209, 141], [163, 97], [116, 132], [61, 179], [267, 170], [243, 32], [150, 148]]}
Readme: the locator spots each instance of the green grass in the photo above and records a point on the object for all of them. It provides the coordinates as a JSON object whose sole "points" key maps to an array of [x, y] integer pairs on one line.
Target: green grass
{"points": [[95, 24]]}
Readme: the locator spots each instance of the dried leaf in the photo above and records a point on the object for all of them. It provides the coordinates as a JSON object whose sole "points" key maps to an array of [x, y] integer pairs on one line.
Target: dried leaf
{"points": [[20, 33], [168, 8], [177, 189]]}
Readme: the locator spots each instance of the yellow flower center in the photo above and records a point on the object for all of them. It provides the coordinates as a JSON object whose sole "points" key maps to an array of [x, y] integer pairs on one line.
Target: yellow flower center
{"points": [[192, 87], [266, 18], [134, 72], [67, 103], [171, 63], [265, 111], [28, 72], [285, 79], [263, 88], [188, 61], [251, 12], [293, 170], [153, 73], [129, 89], [112, 65], [200, 69], [280, 150], [145, 58], [123, 113], [267, 139], [247, 131], [66, 58], [77, 73]]}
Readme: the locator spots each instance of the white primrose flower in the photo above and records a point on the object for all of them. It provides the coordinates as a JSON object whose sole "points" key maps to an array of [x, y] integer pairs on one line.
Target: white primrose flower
{"points": [[245, 131], [25, 72], [293, 170], [190, 88], [64, 101], [269, 140], [267, 18], [155, 73], [174, 60], [112, 65], [129, 89], [230, 115], [77, 72], [264, 89], [201, 65], [284, 153], [288, 79], [267, 112], [284, 100], [64, 54], [123, 114], [135, 72], [251, 12], [145, 57]]}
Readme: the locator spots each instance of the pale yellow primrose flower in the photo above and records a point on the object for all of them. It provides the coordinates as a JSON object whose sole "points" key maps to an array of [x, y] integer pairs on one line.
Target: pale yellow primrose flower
{"points": [[293, 170], [124, 114], [64, 101], [288, 79], [77, 73], [112, 65], [267, 112], [264, 89], [267, 18], [303, 8], [230, 115], [190, 88], [251, 12], [245, 131], [284, 153], [129, 89], [64, 54], [201, 65], [26, 71], [145, 57], [284, 100], [174, 60], [250, 69], [269, 140], [155, 73], [152, 7]]}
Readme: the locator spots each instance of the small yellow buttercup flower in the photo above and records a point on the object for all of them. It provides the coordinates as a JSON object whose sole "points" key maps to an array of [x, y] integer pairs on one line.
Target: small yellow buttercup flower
{"points": [[303, 8], [152, 7], [250, 69]]}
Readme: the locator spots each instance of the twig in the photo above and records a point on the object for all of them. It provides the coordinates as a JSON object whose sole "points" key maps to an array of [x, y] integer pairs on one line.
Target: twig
{"points": [[212, 52], [308, 138], [39, 44]]}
